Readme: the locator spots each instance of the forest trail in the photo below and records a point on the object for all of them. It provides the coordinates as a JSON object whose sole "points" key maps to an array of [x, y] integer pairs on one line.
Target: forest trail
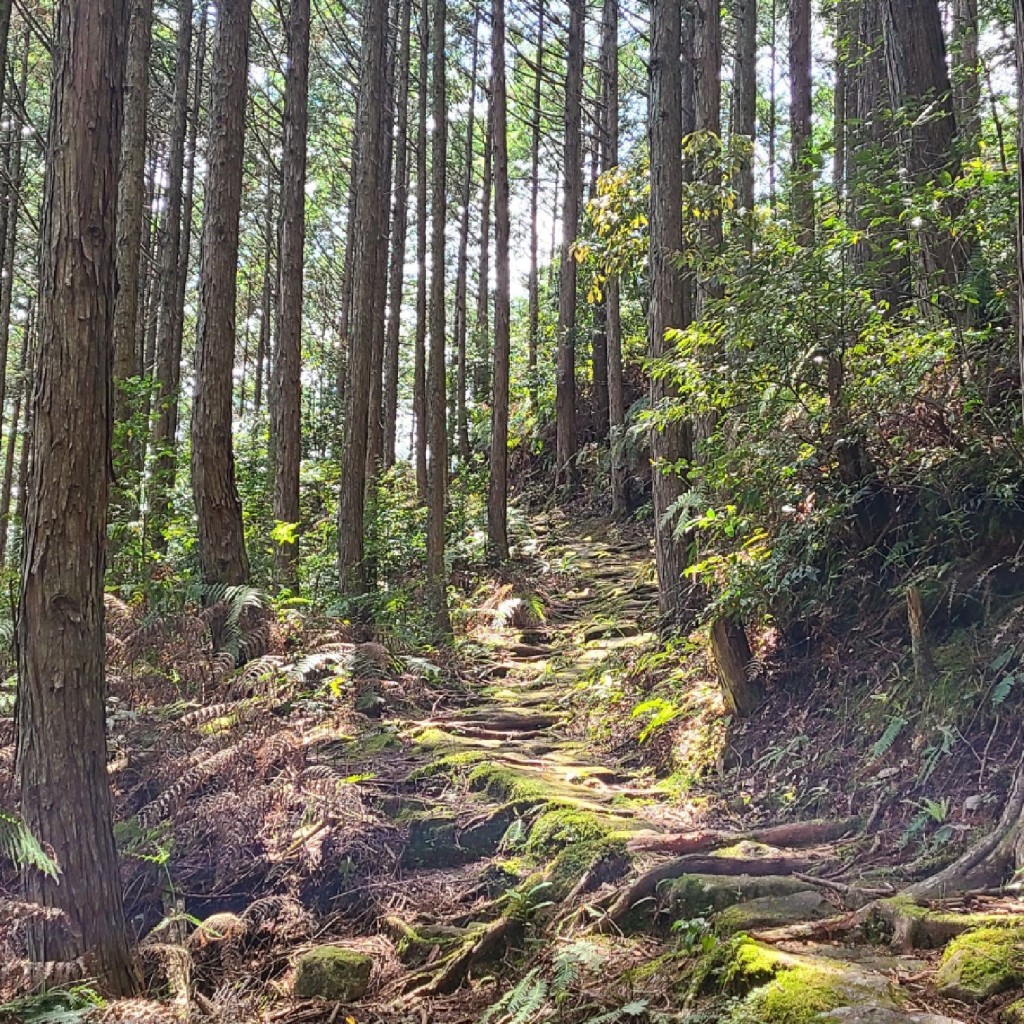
{"points": [[515, 828]]}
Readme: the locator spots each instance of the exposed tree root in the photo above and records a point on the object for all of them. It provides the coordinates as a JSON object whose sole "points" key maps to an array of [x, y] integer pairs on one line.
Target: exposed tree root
{"points": [[646, 886], [989, 863], [799, 834], [493, 939]]}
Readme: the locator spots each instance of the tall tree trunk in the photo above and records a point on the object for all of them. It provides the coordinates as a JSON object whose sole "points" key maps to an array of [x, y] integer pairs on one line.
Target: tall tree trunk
{"points": [[533, 281], [375, 410], [130, 219], [844, 43], [800, 90], [708, 110], [482, 328], [744, 124], [286, 408], [367, 305], [399, 224], [437, 466], [174, 269], [462, 258], [1018, 36], [62, 746], [20, 388], [921, 91], [667, 308], [419, 389], [565, 399], [773, 106], [12, 206], [265, 340], [966, 73], [613, 317], [497, 494], [222, 554]]}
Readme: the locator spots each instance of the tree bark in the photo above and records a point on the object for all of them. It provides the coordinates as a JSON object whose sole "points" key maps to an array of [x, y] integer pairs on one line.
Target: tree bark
{"points": [[173, 273], [920, 90], [462, 258], [419, 393], [745, 97], [708, 105], [131, 202], [668, 307], [800, 88], [437, 465], [565, 399], [286, 408], [16, 429], [533, 281], [613, 317], [62, 747], [367, 302], [497, 495], [482, 328], [966, 61], [222, 553], [743, 694], [375, 410], [399, 225]]}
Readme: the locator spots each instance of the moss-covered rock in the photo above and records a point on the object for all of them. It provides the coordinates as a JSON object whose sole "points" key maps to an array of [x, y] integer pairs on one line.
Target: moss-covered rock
{"points": [[692, 896], [805, 989], [773, 912], [1014, 1013], [982, 963], [734, 967], [332, 972], [565, 826]]}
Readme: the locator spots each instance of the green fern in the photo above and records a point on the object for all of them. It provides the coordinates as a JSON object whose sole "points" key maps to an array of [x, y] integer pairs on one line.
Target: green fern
{"points": [[1003, 689], [885, 742], [19, 846], [520, 1004], [634, 1010], [569, 964]]}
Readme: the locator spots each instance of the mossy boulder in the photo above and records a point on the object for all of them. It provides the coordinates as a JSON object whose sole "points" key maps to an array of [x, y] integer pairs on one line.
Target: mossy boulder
{"points": [[982, 963], [692, 896], [332, 972], [805, 990], [735, 967], [773, 912]]}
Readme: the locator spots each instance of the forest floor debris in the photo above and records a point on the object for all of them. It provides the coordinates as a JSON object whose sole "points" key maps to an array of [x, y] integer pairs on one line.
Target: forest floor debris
{"points": [[479, 839]]}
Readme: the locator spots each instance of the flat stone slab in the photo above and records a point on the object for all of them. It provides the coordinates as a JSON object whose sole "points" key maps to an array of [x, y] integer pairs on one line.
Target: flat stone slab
{"points": [[882, 1015], [774, 912], [695, 895]]}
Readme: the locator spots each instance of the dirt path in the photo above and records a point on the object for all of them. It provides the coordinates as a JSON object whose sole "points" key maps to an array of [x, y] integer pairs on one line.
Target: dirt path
{"points": [[515, 828]]}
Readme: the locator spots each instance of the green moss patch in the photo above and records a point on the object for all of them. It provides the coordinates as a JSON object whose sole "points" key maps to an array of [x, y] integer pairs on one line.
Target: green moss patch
{"points": [[982, 963], [333, 973]]}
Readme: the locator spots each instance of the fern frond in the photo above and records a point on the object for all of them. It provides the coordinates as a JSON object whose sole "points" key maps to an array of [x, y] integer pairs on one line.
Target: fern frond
{"points": [[18, 845]]}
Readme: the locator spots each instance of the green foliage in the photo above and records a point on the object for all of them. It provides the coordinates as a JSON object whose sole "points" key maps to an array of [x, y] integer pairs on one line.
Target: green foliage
{"points": [[21, 848]]}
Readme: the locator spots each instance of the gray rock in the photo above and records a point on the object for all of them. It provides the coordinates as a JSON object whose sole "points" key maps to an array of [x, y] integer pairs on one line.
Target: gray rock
{"points": [[691, 896], [774, 912], [881, 1015]]}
